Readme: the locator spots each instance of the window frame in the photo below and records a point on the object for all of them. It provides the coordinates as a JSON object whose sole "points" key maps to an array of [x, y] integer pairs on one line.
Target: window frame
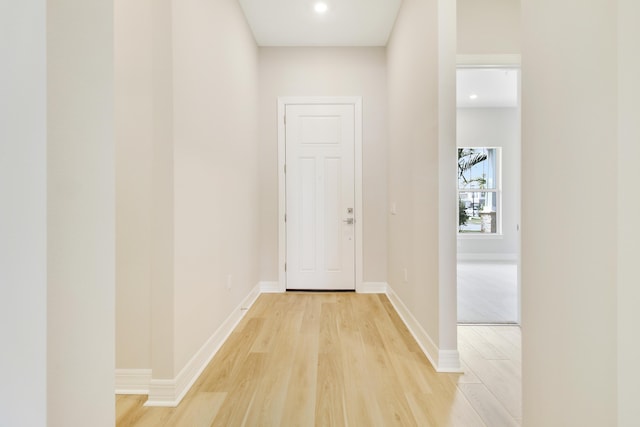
{"points": [[497, 191]]}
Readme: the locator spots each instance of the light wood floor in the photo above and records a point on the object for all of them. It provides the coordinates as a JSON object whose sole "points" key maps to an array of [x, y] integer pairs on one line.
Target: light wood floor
{"points": [[342, 359], [487, 292]]}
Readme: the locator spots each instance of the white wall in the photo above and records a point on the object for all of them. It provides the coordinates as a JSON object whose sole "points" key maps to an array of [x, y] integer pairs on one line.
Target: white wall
{"points": [[421, 84], [144, 187], [413, 160], [489, 27], [628, 207], [134, 145], [326, 72], [489, 33], [23, 210], [57, 226], [162, 191], [188, 200], [448, 358], [80, 214], [216, 200], [495, 127], [569, 319]]}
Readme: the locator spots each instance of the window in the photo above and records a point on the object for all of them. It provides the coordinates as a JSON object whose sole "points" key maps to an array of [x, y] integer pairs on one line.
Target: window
{"points": [[479, 191]]}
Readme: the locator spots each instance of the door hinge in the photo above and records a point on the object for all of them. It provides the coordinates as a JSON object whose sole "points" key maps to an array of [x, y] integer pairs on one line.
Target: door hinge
{"points": [[285, 217], [285, 168], [285, 267]]}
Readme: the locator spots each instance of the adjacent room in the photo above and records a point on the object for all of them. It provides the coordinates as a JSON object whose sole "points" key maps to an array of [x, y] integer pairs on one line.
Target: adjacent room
{"points": [[488, 138]]}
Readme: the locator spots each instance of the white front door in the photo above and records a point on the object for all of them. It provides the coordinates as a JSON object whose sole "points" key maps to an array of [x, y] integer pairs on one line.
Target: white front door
{"points": [[320, 197]]}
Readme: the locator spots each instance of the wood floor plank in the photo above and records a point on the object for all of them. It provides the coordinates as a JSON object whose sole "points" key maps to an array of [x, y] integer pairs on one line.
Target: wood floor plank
{"points": [[334, 359], [445, 410], [487, 406], [271, 391], [512, 334], [300, 403], [403, 364], [312, 311], [330, 398], [300, 407], [329, 338], [305, 363], [499, 342], [128, 409], [486, 348], [359, 381], [230, 359], [497, 375], [153, 417], [390, 394], [263, 342], [505, 337], [198, 409], [241, 395], [402, 329], [467, 377]]}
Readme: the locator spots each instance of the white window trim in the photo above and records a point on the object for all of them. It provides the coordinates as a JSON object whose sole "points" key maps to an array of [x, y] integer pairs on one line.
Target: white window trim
{"points": [[498, 191]]}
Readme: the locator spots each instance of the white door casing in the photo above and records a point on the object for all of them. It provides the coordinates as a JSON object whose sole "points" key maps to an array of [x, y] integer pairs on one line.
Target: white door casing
{"points": [[320, 193]]}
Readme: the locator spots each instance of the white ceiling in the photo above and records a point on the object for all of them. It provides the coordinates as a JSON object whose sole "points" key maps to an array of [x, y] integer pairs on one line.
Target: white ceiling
{"points": [[365, 23], [346, 23], [492, 87]]}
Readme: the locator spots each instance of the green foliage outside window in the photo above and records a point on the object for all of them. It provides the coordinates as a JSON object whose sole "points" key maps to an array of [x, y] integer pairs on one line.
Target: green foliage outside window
{"points": [[463, 217]]}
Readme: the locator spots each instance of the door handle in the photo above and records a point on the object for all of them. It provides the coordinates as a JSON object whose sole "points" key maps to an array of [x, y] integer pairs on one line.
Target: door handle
{"points": [[348, 220]]}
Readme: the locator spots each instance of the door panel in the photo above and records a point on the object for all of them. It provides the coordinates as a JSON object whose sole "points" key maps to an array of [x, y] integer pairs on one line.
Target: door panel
{"points": [[320, 197], [333, 214]]}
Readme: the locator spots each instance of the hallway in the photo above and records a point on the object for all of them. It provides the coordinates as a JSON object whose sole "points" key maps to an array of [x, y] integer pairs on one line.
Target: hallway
{"points": [[342, 359]]}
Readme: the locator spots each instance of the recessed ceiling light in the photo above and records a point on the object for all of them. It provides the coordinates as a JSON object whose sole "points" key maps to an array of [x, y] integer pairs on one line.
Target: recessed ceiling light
{"points": [[321, 7], [473, 96]]}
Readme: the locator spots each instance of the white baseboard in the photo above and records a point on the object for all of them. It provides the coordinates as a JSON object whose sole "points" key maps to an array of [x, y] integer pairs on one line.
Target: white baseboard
{"points": [[495, 257], [442, 360], [162, 393], [372, 288], [132, 381], [449, 361], [170, 392], [270, 288]]}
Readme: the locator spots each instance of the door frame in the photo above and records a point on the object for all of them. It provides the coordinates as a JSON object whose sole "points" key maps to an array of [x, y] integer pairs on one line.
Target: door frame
{"points": [[356, 101], [513, 61]]}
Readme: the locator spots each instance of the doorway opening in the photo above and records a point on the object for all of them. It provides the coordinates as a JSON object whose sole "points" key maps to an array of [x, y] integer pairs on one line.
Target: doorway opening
{"points": [[488, 140]]}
